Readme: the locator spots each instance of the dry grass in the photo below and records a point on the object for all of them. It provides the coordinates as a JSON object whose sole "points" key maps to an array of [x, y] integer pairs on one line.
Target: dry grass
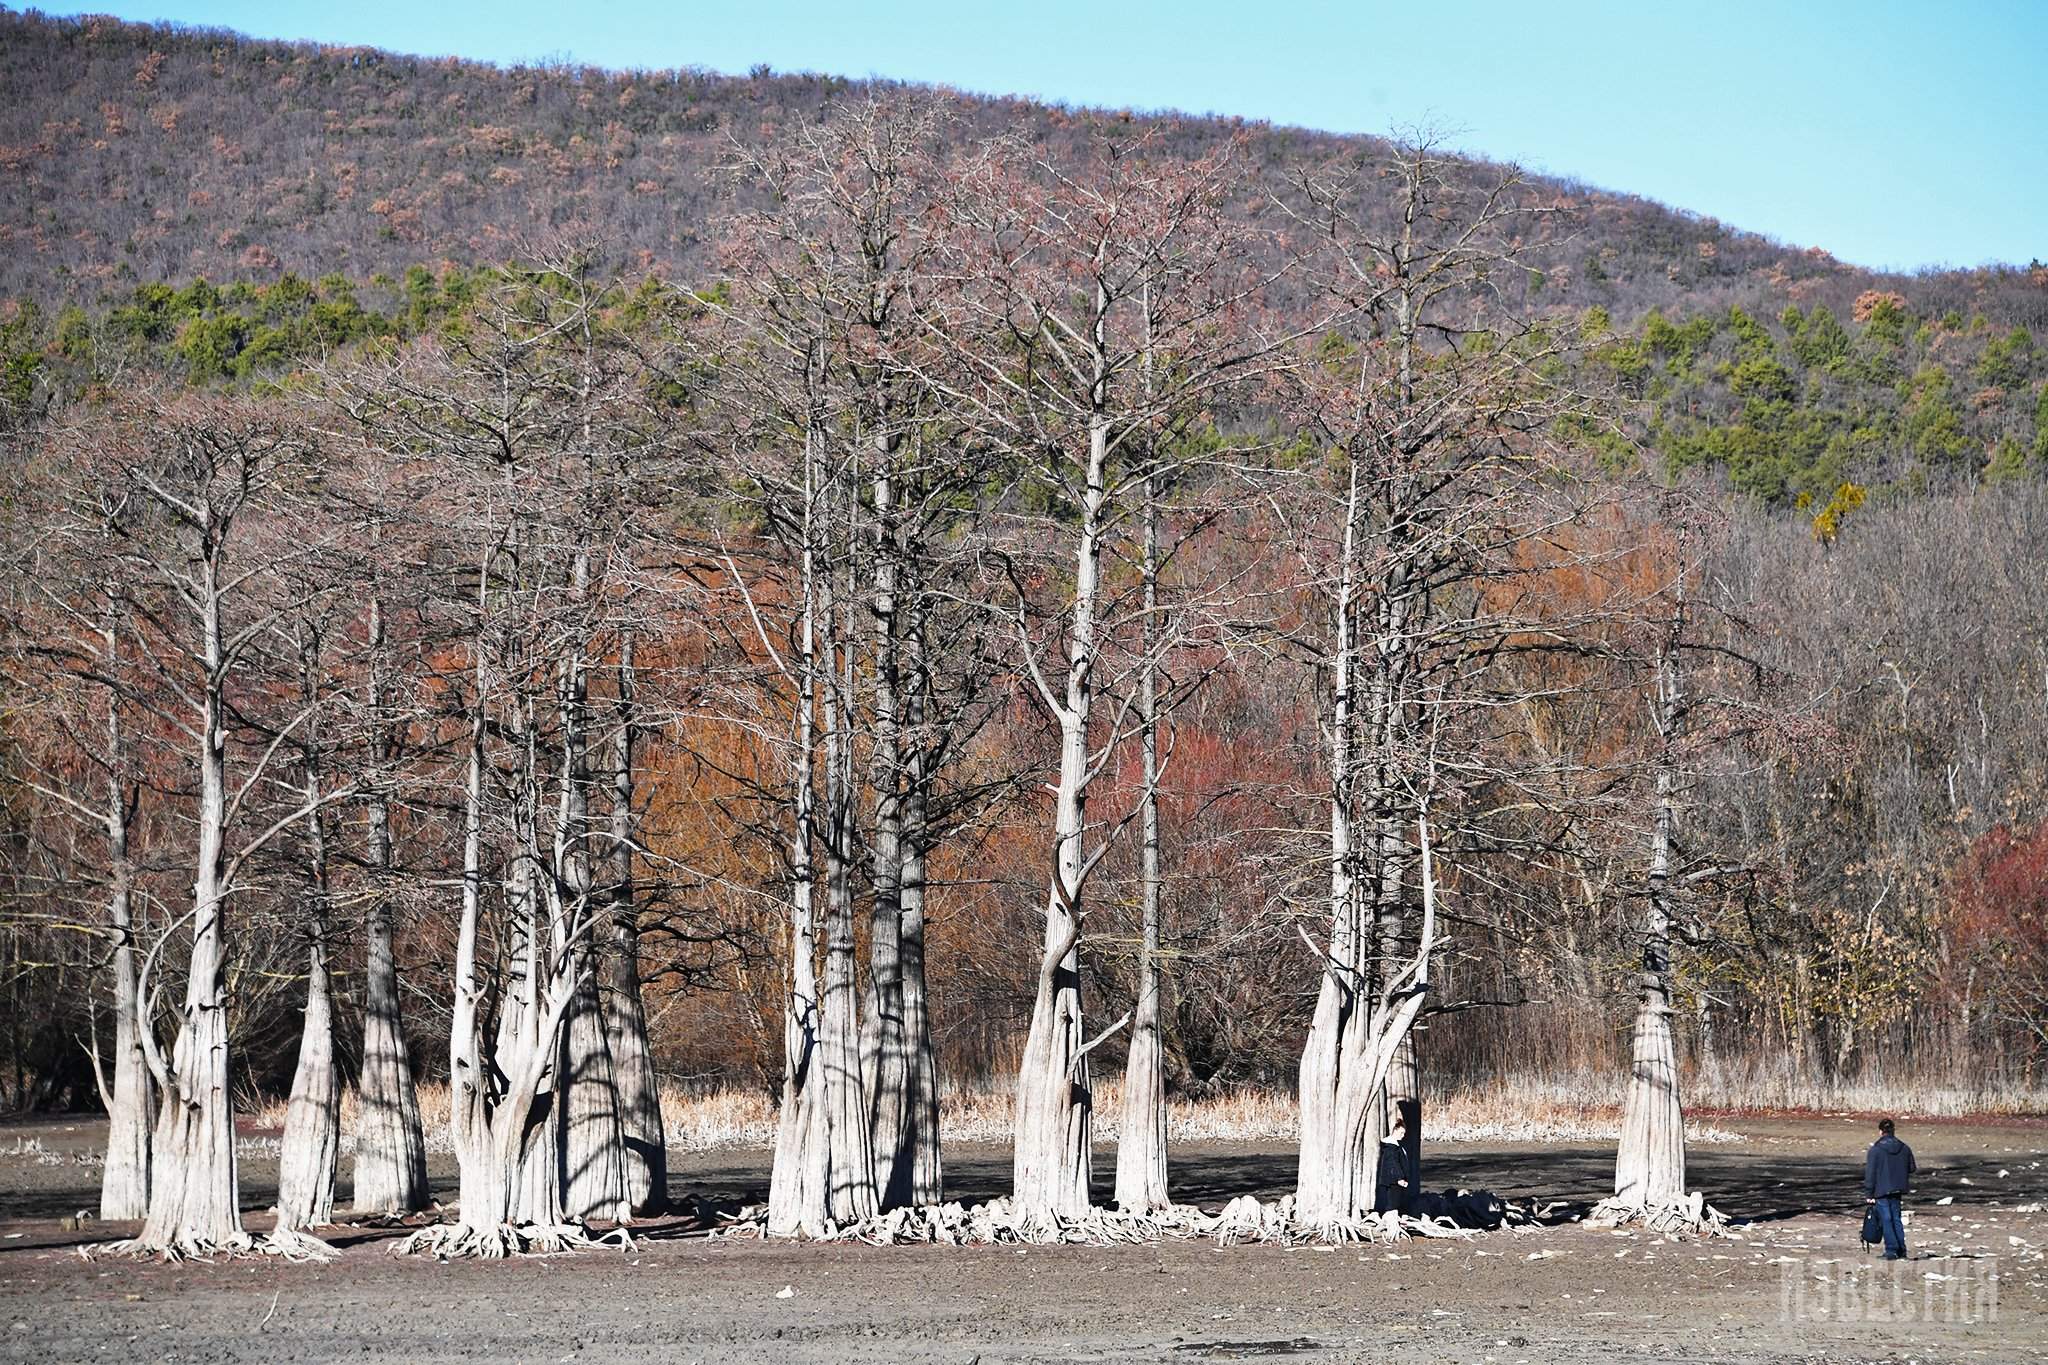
{"points": [[1517, 1109]]}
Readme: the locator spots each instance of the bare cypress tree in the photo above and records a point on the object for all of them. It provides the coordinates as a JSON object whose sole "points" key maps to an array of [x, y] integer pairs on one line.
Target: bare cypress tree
{"points": [[625, 1012], [390, 1168], [1649, 1168], [1443, 481], [201, 530], [310, 1147], [1069, 279], [70, 610], [1141, 1181]]}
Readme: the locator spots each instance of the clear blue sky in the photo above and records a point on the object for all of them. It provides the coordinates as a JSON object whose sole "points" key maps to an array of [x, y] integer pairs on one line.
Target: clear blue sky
{"points": [[1897, 133]]}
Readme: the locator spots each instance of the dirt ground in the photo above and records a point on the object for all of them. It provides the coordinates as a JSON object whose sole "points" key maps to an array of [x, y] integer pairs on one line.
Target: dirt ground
{"points": [[1790, 1285]]}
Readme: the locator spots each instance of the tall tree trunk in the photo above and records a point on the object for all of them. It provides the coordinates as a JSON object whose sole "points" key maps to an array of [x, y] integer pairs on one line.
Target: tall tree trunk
{"points": [[591, 1133], [312, 1124], [526, 1126], [884, 1041], [311, 1143], [824, 1160], [391, 1151], [131, 1098], [1326, 1175], [625, 1012], [796, 1182], [501, 1114], [1141, 1145], [1055, 1104], [1649, 1168], [850, 1158], [192, 1188], [918, 1176]]}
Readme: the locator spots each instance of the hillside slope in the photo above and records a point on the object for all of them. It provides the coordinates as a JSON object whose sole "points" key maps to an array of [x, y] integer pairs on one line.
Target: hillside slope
{"points": [[138, 153], [149, 169]]}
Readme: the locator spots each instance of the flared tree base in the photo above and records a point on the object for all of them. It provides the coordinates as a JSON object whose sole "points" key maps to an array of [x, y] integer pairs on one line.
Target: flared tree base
{"points": [[1687, 1215], [453, 1241], [1001, 1222]]}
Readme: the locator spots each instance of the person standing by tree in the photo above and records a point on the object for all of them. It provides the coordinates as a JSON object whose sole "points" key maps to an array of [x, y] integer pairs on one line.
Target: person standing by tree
{"points": [[1887, 1177]]}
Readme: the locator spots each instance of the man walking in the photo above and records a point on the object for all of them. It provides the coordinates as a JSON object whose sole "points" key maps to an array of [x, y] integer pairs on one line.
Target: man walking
{"points": [[1887, 1176]]}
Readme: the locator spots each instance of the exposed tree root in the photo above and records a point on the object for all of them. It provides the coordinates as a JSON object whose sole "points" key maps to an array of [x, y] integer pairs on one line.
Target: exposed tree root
{"points": [[1687, 1216], [293, 1245], [448, 1241], [180, 1249], [1244, 1219]]}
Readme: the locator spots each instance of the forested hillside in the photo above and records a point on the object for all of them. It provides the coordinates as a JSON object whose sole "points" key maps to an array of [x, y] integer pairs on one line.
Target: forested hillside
{"points": [[559, 581], [153, 169]]}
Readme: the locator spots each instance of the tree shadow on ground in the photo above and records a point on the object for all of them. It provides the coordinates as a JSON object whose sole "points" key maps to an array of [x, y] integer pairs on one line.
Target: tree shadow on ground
{"points": [[1746, 1183]]}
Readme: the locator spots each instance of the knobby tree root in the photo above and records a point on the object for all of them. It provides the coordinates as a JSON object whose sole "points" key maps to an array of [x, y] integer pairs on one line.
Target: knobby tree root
{"points": [[293, 1245], [449, 1241], [179, 1249], [1686, 1216], [287, 1244], [1244, 1219]]}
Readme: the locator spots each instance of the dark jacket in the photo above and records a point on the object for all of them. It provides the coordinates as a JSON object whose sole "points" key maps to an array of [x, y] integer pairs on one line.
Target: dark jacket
{"points": [[1888, 1168]]}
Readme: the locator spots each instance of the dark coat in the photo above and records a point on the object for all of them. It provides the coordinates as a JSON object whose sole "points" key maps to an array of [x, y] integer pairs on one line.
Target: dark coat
{"points": [[1888, 1168]]}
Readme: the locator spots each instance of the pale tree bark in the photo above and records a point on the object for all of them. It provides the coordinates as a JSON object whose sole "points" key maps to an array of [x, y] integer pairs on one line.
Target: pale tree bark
{"points": [[884, 1039], [1141, 1181], [625, 1011], [131, 1096], [850, 1154], [1055, 1105], [824, 1159], [189, 530], [1649, 1167], [311, 1143], [500, 1121], [1341, 1186], [1324, 1185], [192, 1192], [591, 1131], [917, 1177], [390, 1171], [505, 1098]]}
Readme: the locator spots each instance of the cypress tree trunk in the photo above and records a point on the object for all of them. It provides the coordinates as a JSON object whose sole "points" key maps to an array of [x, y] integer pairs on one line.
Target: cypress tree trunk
{"points": [[131, 1099], [1649, 1167], [1055, 1105], [796, 1183], [312, 1126], [884, 1040], [918, 1175], [850, 1156], [592, 1144], [391, 1151], [824, 1157], [1326, 1174], [625, 1013], [590, 1135], [311, 1143], [192, 1188], [1141, 1147]]}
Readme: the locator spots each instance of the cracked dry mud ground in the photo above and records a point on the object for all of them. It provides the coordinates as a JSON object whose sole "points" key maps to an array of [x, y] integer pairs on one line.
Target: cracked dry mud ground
{"points": [[1561, 1294]]}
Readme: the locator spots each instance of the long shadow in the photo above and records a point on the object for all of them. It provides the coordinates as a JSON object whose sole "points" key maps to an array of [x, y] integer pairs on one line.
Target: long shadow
{"points": [[1748, 1185]]}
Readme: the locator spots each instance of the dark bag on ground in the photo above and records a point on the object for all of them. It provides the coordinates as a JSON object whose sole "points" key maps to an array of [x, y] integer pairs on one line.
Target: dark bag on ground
{"points": [[1873, 1226]]}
